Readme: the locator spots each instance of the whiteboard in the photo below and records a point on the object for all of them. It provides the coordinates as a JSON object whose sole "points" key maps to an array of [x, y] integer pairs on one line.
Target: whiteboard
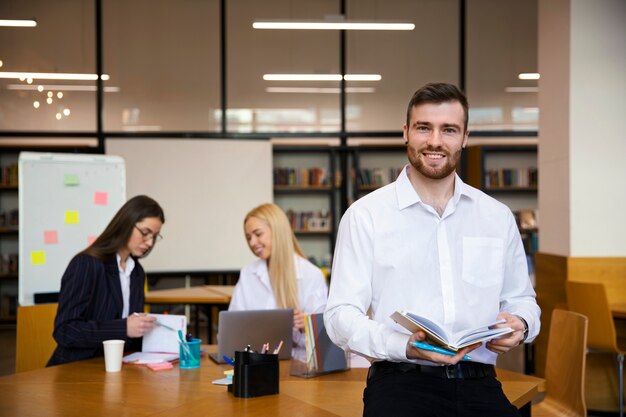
{"points": [[65, 202], [206, 187]]}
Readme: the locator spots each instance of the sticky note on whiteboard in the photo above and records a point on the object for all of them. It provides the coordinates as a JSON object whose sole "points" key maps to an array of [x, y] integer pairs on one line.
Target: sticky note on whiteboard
{"points": [[101, 198], [38, 257], [71, 217], [50, 237], [70, 180]]}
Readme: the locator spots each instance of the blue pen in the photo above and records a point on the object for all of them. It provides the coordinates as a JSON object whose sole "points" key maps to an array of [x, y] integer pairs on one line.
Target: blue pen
{"points": [[229, 360], [426, 346]]}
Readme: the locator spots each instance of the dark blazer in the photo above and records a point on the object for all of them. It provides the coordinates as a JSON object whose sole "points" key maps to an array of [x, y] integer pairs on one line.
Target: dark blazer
{"points": [[90, 308]]}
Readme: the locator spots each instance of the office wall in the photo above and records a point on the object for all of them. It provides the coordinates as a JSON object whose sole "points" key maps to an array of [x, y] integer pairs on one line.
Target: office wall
{"points": [[205, 188]]}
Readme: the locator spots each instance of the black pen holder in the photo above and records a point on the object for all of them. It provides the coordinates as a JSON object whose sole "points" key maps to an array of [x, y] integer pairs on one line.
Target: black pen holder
{"points": [[256, 374]]}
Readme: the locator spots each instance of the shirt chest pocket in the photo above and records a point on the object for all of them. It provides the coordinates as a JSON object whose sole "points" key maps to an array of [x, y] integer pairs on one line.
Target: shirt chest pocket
{"points": [[483, 261]]}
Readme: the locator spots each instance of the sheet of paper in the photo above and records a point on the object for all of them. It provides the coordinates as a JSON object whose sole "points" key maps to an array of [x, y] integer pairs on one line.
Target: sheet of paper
{"points": [[162, 339], [143, 358]]}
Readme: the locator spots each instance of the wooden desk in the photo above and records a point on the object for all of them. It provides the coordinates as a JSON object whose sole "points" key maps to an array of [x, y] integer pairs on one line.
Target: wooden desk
{"points": [[207, 295], [618, 310], [84, 388]]}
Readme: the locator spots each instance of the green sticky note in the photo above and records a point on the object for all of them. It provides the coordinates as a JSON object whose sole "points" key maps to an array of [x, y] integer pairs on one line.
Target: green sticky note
{"points": [[71, 217], [38, 257], [70, 179]]}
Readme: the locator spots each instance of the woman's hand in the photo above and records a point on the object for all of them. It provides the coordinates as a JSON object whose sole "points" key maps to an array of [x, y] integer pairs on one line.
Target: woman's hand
{"points": [[298, 319], [138, 325], [416, 353]]}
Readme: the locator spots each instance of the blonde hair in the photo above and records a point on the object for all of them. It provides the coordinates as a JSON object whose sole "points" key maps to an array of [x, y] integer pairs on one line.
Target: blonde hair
{"points": [[282, 268]]}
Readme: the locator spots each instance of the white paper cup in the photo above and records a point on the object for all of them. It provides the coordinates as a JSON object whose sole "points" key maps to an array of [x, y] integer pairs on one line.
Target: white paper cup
{"points": [[113, 352]]}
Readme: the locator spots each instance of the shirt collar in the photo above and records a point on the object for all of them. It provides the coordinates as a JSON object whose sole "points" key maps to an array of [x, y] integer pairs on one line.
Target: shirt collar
{"points": [[130, 264], [407, 196]]}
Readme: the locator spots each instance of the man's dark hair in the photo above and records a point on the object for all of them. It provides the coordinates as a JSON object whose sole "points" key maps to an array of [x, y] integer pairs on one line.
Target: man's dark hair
{"points": [[437, 93]]}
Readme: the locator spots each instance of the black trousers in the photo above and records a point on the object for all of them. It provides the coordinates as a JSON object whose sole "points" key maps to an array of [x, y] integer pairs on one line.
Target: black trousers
{"points": [[400, 392]]}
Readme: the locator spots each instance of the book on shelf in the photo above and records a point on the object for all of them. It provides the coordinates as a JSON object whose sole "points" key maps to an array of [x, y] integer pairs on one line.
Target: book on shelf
{"points": [[377, 177], [310, 221], [511, 177], [301, 177], [437, 335]]}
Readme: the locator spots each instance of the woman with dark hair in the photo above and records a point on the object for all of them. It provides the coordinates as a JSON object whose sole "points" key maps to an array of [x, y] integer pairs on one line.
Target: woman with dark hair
{"points": [[104, 285]]}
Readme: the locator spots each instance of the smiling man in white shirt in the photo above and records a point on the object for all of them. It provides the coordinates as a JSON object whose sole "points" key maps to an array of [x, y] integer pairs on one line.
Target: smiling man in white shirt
{"points": [[433, 245]]}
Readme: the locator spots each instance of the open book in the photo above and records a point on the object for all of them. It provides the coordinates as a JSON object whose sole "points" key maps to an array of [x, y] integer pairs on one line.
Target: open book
{"points": [[437, 335], [161, 343]]}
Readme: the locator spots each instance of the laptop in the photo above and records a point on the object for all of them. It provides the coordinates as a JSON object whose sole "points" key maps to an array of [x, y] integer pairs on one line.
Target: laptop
{"points": [[238, 329]]}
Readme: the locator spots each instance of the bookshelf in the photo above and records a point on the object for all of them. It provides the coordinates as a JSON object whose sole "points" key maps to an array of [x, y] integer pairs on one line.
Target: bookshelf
{"points": [[509, 174], [8, 236], [374, 166], [305, 187]]}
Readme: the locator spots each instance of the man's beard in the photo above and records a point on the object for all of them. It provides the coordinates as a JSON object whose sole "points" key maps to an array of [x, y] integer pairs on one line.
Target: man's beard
{"points": [[428, 171]]}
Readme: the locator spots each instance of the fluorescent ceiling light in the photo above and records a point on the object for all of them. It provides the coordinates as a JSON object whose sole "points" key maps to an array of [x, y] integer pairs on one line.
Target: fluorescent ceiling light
{"points": [[59, 87], [528, 76], [521, 89], [328, 24], [322, 90], [29, 23], [53, 76], [321, 77]]}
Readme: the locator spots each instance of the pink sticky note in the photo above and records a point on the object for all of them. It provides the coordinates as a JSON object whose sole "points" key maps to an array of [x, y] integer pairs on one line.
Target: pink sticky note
{"points": [[101, 198], [50, 237], [91, 239]]}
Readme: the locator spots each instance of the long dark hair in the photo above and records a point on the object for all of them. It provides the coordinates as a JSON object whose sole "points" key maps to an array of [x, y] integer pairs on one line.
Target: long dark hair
{"points": [[118, 231]]}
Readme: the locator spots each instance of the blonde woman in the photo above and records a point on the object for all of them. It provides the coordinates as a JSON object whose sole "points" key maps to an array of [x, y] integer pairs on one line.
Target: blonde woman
{"points": [[282, 277]]}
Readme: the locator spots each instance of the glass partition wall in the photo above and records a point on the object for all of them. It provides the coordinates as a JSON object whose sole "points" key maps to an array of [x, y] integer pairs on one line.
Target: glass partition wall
{"points": [[178, 66]]}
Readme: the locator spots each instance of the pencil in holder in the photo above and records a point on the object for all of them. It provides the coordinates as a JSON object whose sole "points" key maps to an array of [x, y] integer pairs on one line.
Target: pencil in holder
{"points": [[256, 374]]}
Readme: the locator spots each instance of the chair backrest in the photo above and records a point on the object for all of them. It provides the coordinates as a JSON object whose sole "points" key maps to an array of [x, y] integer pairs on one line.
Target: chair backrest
{"points": [[565, 361], [589, 299], [34, 344]]}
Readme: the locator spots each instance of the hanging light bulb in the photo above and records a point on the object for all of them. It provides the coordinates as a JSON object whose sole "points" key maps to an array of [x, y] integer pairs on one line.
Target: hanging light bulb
{"points": [[58, 116], [29, 80], [36, 104], [40, 88], [50, 93], [59, 95], [66, 112], [49, 100]]}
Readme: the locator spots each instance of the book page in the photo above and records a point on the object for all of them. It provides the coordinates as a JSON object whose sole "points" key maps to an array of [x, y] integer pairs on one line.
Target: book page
{"points": [[143, 358], [164, 340]]}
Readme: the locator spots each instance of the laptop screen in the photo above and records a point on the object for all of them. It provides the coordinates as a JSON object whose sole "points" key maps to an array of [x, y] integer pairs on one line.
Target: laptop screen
{"points": [[238, 329]]}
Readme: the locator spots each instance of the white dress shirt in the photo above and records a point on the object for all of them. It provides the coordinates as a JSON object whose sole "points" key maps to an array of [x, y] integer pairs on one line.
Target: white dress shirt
{"points": [[395, 252], [125, 281], [254, 292]]}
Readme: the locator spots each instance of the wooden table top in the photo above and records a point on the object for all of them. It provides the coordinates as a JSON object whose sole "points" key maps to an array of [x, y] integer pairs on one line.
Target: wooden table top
{"points": [[204, 294], [618, 310], [84, 388]]}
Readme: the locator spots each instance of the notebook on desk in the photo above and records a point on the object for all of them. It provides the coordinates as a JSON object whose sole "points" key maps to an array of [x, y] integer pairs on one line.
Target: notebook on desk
{"points": [[237, 329]]}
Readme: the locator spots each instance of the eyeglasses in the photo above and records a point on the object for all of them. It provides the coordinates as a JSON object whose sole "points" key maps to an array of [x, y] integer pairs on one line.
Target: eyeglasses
{"points": [[154, 237]]}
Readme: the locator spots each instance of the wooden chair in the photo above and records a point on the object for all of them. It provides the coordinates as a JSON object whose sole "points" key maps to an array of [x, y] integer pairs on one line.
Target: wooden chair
{"points": [[34, 344], [565, 367], [590, 299]]}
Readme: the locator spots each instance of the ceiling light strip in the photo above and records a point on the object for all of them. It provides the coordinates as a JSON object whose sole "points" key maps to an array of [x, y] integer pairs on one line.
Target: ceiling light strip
{"points": [[329, 25], [60, 87], [314, 90], [529, 76], [321, 77], [22, 23], [52, 76]]}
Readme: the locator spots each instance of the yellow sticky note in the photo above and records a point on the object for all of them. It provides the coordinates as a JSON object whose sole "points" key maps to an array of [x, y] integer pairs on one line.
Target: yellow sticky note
{"points": [[71, 217], [38, 257]]}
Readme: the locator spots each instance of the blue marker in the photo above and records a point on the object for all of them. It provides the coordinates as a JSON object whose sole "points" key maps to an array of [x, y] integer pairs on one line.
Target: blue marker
{"points": [[431, 348], [229, 360]]}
